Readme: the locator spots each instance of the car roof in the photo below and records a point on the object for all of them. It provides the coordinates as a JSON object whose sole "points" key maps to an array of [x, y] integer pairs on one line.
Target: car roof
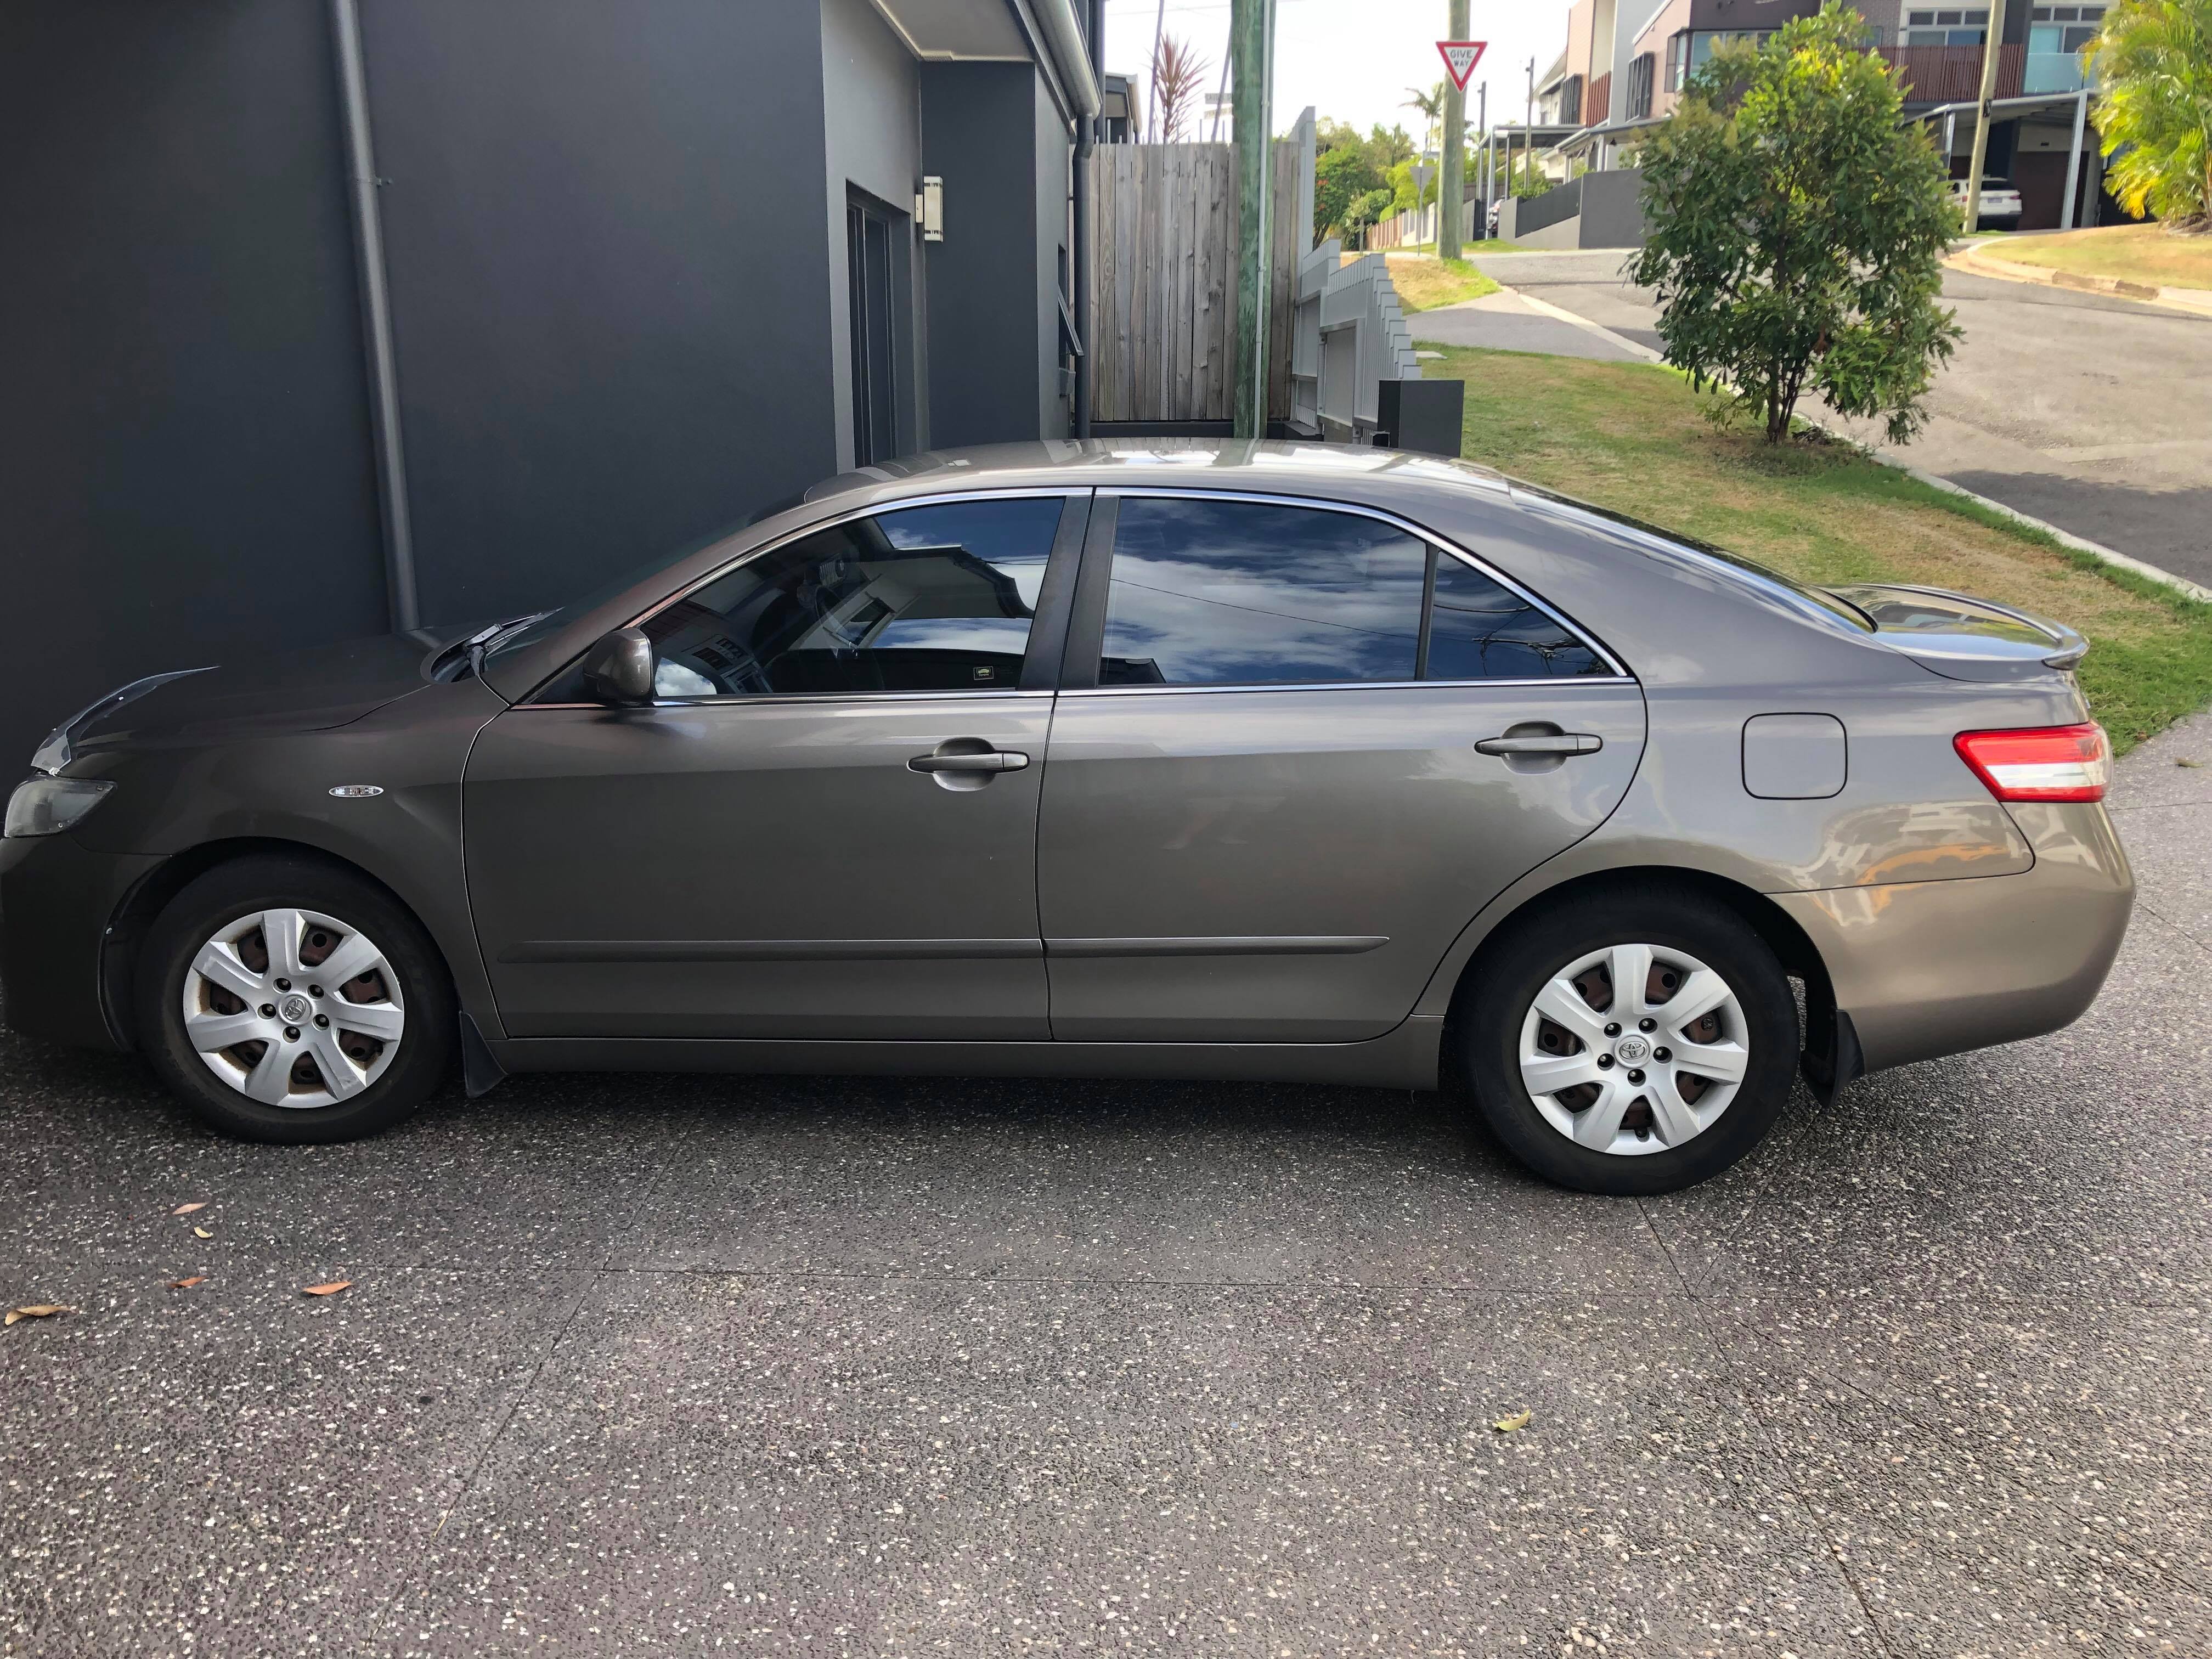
{"points": [[1268, 466]]}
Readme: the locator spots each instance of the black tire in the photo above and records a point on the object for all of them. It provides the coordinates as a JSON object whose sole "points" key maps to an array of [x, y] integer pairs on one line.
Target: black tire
{"points": [[1533, 949], [229, 891]]}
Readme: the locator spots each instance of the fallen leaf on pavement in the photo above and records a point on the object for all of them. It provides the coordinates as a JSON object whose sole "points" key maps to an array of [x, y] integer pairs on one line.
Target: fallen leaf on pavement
{"points": [[186, 1209], [44, 1310], [1508, 1425], [202, 1232], [2185, 761], [331, 1289], [186, 1284]]}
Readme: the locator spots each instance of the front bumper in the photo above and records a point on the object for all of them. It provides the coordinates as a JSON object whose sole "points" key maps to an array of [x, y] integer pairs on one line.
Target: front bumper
{"points": [[1925, 969], [57, 902]]}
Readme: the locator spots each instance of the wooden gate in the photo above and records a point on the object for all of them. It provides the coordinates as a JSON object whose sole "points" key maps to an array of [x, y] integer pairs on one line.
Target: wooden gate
{"points": [[1162, 327]]}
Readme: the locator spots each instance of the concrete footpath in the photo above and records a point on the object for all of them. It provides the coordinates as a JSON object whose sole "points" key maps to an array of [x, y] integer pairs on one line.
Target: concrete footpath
{"points": [[842, 1366]]}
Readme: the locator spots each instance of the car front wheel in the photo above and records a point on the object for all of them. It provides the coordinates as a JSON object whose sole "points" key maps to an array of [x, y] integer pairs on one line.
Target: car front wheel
{"points": [[292, 1001], [1631, 1044]]}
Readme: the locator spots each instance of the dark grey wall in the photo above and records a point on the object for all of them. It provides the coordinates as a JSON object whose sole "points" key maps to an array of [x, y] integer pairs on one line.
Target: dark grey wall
{"points": [[872, 144], [977, 123], [184, 459], [611, 290], [613, 303], [1054, 233]]}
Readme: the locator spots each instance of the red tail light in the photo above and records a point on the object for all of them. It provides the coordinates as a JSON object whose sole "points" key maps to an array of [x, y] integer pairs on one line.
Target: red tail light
{"points": [[2048, 762]]}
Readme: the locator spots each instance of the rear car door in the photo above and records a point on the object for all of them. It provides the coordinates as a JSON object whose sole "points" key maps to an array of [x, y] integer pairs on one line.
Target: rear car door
{"points": [[824, 826], [1266, 811]]}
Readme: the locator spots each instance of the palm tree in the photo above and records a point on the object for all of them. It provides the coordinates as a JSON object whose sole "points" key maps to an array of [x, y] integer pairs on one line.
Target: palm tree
{"points": [[2154, 61], [1431, 106]]}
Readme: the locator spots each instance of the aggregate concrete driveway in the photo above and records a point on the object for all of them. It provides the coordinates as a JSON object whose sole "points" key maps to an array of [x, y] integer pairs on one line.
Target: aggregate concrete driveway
{"points": [[2092, 412], [887, 1367]]}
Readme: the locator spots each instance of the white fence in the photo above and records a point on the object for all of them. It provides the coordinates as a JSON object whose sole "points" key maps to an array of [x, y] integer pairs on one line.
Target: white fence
{"points": [[1348, 336]]}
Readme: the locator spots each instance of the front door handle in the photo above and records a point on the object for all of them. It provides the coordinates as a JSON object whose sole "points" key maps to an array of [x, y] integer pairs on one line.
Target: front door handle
{"points": [[990, 760], [1543, 742]]}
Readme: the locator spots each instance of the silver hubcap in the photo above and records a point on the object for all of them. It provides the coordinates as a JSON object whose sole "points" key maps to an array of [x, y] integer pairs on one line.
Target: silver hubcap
{"points": [[1634, 1048], [294, 1008]]}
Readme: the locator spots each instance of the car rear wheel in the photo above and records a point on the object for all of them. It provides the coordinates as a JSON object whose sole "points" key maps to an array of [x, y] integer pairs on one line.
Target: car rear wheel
{"points": [[292, 1001], [1630, 1044]]}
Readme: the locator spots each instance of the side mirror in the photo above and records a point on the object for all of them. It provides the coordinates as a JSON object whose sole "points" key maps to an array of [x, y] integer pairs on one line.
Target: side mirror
{"points": [[619, 668]]}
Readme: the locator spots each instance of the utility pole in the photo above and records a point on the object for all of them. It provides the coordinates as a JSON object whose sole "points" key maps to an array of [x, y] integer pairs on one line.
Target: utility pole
{"points": [[1528, 124], [1990, 37], [1482, 125], [1453, 184], [1252, 53]]}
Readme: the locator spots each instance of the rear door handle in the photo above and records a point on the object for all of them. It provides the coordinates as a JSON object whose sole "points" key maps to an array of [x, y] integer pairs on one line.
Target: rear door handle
{"points": [[991, 760], [1546, 743]]}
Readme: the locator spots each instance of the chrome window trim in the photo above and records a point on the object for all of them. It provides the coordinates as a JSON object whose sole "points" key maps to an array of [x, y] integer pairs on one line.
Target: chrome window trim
{"points": [[1611, 680], [1031, 492], [779, 697], [1383, 516]]}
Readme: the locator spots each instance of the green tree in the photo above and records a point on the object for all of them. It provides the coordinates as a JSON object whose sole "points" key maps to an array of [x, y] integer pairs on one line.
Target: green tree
{"points": [[1366, 209], [2153, 60], [1341, 176], [1529, 180], [1348, 167], [1797, 231], [1405, 192]]}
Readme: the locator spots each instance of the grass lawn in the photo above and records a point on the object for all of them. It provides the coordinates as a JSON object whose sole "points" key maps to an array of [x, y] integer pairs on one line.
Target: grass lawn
{"points": [[1634, 437], [2135, 253], [1489, 245], [1425, 282]]}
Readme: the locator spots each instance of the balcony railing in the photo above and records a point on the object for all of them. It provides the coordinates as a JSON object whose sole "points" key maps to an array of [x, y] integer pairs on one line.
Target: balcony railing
{"points": [[1952, 75], [2054, 71]]}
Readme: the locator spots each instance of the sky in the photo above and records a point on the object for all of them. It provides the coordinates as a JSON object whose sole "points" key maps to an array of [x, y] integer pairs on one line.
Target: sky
{"points": [[1353, 59]]}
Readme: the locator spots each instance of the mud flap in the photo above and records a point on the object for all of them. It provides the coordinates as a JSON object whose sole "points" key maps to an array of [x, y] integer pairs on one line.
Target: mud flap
{"points": [[480, 1073], [1832, 1056]]}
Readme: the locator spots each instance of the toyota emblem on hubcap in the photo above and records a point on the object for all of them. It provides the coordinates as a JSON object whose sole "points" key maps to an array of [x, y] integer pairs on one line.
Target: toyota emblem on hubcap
{"points": [[295, 1008], [1632, 1050]]}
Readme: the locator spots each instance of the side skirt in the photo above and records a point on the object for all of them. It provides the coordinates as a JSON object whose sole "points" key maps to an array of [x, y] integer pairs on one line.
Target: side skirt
{"points": [[1406, 1057]]}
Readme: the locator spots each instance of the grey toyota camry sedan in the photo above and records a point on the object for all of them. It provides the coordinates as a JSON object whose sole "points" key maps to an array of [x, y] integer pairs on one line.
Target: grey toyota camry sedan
{"points": [[1238, 762]]}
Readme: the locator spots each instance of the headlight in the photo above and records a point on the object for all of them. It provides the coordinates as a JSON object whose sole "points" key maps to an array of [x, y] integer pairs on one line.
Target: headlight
{"points": [[56, 751], [46, 807]]}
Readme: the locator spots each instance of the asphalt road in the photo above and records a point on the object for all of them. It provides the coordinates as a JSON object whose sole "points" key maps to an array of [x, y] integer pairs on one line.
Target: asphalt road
{"points": [[2090, 412], [886, 1367]]}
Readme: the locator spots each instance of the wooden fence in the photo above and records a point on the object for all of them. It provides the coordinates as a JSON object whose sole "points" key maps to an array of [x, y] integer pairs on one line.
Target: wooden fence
{"points": [[1165, 243]]}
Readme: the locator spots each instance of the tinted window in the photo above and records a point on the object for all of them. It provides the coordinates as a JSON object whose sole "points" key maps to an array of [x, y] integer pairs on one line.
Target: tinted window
{"points": [[926, 598], [1208, 593], [1481, 630]]}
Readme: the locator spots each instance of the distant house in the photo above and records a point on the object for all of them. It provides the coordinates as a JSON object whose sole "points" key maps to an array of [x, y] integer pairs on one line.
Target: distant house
{"points": [[626, 273], [1626, 62]]}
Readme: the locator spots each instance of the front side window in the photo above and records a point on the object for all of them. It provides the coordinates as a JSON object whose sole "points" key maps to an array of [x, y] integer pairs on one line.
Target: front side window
{"points": [[924, 599], [1217, 592]]}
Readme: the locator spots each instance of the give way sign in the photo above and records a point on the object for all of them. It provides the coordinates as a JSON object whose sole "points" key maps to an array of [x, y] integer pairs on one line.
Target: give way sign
{"points": [[1460, 58]]}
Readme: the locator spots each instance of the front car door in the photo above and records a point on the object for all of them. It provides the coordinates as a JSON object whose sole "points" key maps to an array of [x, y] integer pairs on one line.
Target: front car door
{"points": [[824, 826], [1265, 815]]}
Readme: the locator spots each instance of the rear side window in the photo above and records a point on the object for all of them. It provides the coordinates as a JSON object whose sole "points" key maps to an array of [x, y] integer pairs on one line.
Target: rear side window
{"points": [[1219, 592], [925, 598], [1212, 593], [1480, 629]]}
